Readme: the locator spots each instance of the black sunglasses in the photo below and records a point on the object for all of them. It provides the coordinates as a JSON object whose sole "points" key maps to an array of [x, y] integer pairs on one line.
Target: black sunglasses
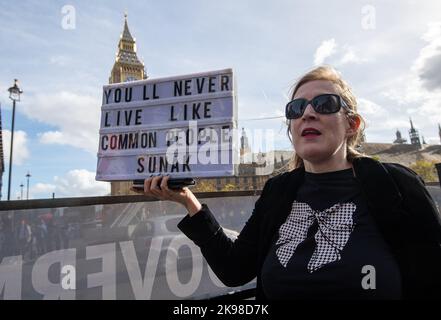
{"points": [[323, 104]]}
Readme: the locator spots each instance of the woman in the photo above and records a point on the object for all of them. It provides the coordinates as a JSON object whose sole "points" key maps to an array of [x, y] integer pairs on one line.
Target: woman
{"points": [[338, 226]]}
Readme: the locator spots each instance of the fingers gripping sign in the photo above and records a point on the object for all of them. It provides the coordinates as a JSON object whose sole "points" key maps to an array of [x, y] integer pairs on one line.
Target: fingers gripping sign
{"points": [[155, 189], [158, 187]]}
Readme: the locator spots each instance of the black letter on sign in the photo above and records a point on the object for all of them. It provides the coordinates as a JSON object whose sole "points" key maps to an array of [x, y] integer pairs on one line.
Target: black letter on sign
{"points": [[107, 94], [211, 84], [154, 92], [175, 166], [186, 165], [138, 116], [200, 84], [106, 122], [104, 144], [141, 166], [128, 95], [178, 88], [152, 164], [118, 117], [187, 87], [145, 97], [117, 97], [172, 118], [163, 164], [196, 107], [207, 109], [224, 83], [128, 116]]}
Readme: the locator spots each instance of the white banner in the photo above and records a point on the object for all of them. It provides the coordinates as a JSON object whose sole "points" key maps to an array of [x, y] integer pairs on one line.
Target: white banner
{"points": [[183, 125]]}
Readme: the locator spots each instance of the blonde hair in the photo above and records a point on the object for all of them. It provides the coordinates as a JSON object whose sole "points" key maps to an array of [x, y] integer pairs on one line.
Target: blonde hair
{"points": [[328, 73]]}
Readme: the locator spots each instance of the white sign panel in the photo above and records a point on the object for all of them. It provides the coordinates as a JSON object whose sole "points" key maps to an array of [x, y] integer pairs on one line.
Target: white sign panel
{"points": [[183, 126]]}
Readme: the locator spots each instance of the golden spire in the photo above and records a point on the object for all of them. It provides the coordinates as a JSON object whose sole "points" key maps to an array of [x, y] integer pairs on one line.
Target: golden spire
{"points": [[127, 66], [126, 35]]}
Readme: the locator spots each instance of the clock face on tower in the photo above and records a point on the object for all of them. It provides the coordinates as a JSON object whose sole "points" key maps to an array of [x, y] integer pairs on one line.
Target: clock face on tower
{"points": [[131, 78]]}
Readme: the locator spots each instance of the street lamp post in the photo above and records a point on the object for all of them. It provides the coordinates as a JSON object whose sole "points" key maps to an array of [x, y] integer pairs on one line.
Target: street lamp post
{"points": [[14, 95], [27, 190], [21, 194]]}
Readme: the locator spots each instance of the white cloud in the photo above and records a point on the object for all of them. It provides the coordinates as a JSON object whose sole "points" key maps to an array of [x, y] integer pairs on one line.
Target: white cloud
{"points": [[411, 95], [325, 50], [428, 63], [381, 122], [20, 148], [76, 117], [351, 55], [59, 60], [432, 140], [370, 108], [416, 89], [414, 93], [338, 55], [52, 137], [75, 183], [391, 125], [43, 189], [272, 114], [4, 96]]}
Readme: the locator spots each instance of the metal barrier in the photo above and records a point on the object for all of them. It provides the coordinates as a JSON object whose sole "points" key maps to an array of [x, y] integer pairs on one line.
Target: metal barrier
{"points": [[125, 247]]}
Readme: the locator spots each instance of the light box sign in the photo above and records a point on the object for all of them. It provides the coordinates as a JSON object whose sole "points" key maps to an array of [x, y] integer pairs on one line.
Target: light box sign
{"points": [[184, 126]]}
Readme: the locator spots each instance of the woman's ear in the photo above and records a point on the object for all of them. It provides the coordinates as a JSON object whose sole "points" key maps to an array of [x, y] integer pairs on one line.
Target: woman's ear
{"points": [[354, 124]]}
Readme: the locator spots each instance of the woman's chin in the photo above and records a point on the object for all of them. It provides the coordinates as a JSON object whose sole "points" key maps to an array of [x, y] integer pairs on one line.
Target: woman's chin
{"points": [[313, 154]]}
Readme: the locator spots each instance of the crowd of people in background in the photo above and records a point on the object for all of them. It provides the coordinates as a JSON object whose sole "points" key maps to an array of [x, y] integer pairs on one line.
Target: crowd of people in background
{"points": [[33, 236]]}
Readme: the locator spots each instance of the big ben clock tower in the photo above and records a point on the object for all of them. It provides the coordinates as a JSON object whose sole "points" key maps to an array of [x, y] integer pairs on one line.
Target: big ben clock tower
{"points": [[127, 67]]}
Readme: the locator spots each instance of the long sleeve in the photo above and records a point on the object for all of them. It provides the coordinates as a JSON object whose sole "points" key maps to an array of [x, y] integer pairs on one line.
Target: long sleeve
{"points": [[422, 235], [235, 262], [418, 201]]}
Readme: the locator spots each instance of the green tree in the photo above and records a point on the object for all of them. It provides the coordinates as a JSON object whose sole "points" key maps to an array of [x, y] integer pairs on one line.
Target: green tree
{"points": [[425, 169], [204, 185], [229, 187]]}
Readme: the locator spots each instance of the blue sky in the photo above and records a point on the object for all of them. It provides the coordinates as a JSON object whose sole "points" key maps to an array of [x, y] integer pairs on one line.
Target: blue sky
{"points": [[387, 50]]}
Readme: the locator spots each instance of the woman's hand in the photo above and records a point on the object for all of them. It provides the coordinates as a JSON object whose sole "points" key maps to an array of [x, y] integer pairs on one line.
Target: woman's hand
{"points": [[157, 187]]}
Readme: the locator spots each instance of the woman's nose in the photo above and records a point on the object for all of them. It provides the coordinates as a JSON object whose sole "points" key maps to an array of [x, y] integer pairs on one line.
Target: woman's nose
{"points": [[309, 112]]}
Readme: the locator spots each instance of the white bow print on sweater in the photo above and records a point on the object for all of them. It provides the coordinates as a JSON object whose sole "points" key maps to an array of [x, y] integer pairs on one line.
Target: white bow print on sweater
{"points": [[334, 228]]}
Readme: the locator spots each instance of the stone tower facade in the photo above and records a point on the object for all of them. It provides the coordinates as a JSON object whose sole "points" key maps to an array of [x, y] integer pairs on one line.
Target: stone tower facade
{"points": [[127, 67]]}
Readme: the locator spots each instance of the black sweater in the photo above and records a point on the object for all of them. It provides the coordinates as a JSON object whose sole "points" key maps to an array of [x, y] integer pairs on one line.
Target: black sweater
{"points": [[401, 206]]}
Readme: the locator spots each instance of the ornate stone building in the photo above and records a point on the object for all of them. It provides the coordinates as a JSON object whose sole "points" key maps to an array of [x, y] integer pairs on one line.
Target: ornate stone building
{"points": [[127, 67], [399, 139], [245, 150], [414, 136]]}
